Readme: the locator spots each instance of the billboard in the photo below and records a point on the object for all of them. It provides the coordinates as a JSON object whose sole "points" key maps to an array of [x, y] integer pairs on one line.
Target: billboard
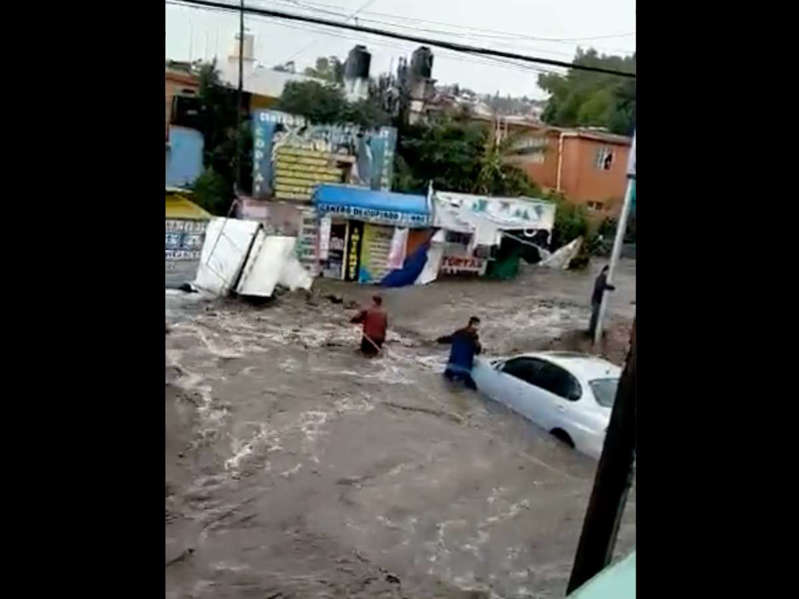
{"points": [[291, 155]]}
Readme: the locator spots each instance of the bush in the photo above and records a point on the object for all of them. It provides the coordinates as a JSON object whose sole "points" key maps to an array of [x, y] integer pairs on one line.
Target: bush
{"points": [[213, 192], [571, 221]]}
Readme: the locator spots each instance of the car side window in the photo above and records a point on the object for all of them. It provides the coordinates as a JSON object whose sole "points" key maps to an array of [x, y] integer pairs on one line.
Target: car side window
{"points": [[559, 381], [545, 375], [521, 368]]}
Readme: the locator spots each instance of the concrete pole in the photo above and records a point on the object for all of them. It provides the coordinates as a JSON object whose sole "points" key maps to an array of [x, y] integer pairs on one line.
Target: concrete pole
{"points": [[621, 227]]}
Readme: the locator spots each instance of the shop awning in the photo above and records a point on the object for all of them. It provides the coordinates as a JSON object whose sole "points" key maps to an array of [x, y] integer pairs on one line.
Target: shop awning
{"points": [[462, 211], [178, 206], [381, 207]]}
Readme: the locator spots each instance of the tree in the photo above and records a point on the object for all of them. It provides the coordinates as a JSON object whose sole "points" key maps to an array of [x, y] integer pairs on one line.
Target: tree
{"points": [[497, 176], [326, 104], [457, 154], [330, 69], [584, 98], [212, 192], [218, 116], [571, 221], [446, 151]]}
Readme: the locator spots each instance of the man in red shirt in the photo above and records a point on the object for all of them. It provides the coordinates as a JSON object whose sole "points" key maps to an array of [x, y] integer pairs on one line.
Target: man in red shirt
{"points": [[375, 323]]}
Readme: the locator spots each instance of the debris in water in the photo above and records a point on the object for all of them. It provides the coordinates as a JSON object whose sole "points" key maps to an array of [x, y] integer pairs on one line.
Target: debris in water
{"points": [[183, 555]]}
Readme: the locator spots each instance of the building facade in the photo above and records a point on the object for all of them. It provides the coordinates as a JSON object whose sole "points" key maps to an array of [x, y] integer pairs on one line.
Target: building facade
{"points": [[587, 166]]}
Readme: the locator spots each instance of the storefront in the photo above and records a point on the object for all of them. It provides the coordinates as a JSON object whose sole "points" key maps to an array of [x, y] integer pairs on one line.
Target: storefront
{"points": [[363, 234], [474, 230]]}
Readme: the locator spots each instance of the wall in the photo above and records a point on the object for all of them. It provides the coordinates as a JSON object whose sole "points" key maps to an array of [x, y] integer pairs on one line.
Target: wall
{"points": [[177, 84], [541, 166], [182, 248], [184, 156], [583, 182]]}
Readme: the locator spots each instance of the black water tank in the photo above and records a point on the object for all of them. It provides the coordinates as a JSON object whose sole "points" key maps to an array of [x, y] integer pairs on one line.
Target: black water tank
{"points": [[422, 62], [358, 61]]}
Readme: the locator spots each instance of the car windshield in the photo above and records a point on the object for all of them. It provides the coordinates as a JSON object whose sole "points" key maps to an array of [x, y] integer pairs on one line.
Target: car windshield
{"points": [[604, 391]]}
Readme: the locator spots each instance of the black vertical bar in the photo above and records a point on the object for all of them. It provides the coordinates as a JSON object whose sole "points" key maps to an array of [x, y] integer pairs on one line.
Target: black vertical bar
{"points": [[612, 482]]}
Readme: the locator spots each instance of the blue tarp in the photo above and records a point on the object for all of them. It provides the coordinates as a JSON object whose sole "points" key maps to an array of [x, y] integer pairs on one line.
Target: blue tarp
{"points": [[410, 271], [384, 207]]}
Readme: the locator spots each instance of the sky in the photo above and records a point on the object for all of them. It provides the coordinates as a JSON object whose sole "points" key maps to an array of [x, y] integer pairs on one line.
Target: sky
{"points": [[542, 28]]}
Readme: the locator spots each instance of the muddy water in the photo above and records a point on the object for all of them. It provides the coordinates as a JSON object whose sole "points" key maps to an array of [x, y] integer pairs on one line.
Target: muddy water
{"points": [[297, 468]]}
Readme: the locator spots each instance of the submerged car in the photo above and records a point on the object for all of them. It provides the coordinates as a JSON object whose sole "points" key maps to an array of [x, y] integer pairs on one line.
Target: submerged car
{"points": [[566, 393]]}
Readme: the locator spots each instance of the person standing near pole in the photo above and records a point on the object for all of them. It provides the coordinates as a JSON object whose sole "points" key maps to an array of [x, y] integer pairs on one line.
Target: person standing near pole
{"points": [[600, 286], [617, 242]]}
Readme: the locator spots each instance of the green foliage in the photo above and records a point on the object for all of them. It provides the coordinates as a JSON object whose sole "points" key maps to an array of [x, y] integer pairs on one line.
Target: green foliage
{"points": [[316, 102], [457, 154], [218, 113], [446, 151], [212, 192], [583, 98], [328, 68], [496, 176], [571, 221], [327, 104]]}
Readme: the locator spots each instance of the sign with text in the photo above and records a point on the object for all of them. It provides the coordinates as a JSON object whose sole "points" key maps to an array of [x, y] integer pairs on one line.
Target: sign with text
{"points": [[385, 217], [291, 155]]}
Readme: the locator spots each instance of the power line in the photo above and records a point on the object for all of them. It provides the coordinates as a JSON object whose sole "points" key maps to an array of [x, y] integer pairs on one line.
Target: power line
{"points": [[440, 43], [496, 33], [481, 60], [311, 44], [443, 54]]}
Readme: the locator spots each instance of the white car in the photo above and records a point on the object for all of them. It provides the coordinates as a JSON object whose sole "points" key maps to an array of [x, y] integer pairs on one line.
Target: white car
{"points": [[566, 393]]}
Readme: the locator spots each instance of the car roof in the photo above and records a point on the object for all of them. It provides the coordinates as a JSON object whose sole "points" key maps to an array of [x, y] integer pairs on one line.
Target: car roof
{"points": [[585, 366]]}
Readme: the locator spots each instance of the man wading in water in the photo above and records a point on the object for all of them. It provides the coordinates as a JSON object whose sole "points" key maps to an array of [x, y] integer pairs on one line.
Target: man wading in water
{"points": [[375, 323], [465, 344]]}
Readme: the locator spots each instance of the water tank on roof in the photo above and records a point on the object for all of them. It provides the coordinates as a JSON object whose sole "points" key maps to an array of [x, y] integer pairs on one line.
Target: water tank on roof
{"points": [[422, 62], [357, 65]]}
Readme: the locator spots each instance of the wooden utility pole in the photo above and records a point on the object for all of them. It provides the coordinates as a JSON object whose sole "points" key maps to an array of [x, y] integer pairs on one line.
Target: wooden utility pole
{"points": [[612, 483]]}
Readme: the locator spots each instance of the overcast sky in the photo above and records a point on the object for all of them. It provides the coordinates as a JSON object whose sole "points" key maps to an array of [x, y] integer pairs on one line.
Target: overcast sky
{"points": [[511, 25]]}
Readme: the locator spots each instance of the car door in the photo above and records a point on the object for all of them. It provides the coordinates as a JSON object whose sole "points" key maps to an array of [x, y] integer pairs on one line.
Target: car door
{"points": [[557, 393], [512, 386]]}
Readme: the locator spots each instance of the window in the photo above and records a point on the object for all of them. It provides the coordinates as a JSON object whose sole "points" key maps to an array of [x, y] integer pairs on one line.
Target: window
{"points": [[522, 368], [604, 158], [545, 375], [604, 391]]}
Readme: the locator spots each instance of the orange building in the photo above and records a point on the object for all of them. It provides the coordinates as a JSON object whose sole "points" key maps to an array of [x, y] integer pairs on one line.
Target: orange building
{"points": [[592, 169], [588, 166]]}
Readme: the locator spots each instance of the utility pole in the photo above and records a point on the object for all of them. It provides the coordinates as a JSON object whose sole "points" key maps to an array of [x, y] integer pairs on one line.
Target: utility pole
{"points": [[621, 227], [240, 102], [612, 483]]}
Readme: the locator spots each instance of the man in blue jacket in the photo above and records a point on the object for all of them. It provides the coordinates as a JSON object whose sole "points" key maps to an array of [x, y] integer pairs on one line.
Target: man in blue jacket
{"points": [[465, 345]]}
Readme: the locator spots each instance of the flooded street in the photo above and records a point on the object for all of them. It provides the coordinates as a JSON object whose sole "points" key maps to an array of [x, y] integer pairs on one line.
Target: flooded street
{"points": [[297, 468]]}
